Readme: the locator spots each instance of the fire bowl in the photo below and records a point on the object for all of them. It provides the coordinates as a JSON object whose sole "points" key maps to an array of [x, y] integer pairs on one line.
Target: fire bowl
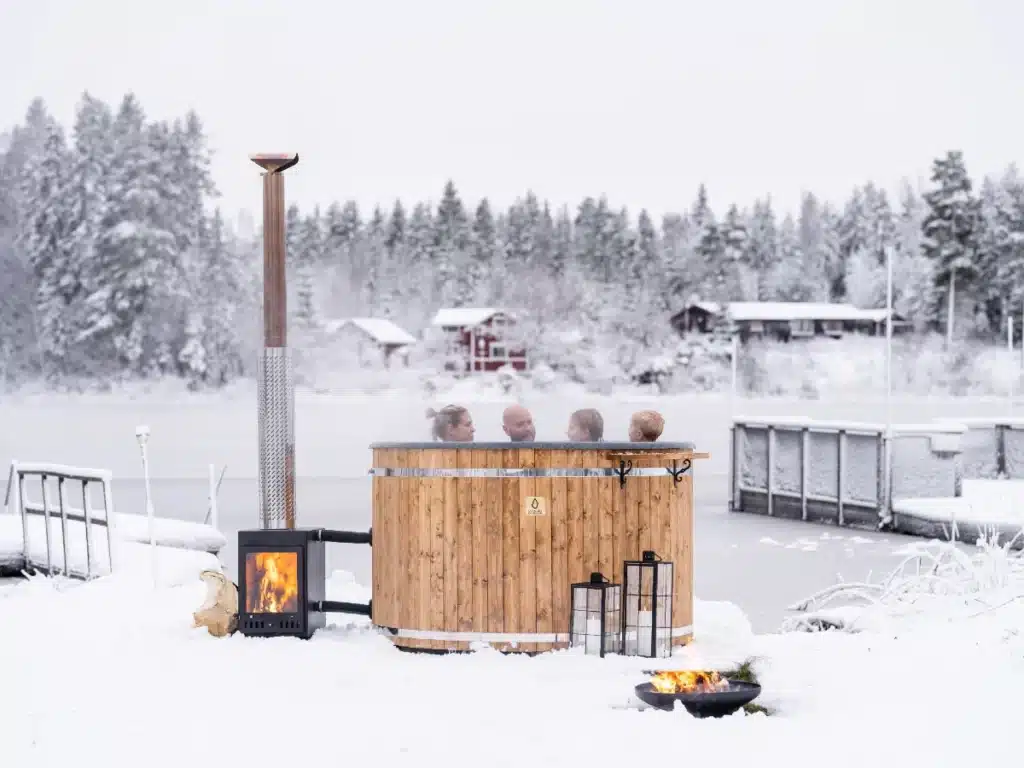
{"points": [[702, 703]]}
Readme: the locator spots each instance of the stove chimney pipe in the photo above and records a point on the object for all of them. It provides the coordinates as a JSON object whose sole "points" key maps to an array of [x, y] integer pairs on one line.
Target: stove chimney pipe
{"points": [[275, 393]]}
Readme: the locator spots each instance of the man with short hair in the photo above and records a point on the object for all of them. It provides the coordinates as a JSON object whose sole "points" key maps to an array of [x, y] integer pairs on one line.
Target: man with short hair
{"points": [[586, 426], [518, 424], [646, 426]]}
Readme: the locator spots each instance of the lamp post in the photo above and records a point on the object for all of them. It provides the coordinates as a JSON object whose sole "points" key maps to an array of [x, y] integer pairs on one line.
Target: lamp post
{"points": [[275, 393], [887, 445]]}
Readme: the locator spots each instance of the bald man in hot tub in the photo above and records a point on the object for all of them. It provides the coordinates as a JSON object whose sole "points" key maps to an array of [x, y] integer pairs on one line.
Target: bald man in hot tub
{"points": [[518, 424]]}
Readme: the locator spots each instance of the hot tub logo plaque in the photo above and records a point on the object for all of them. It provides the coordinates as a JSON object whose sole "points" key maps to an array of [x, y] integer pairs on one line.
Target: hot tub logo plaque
{"points": [[535, 506]]}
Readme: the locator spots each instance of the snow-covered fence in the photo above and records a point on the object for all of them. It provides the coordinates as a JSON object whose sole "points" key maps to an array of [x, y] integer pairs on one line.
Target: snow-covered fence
{"points": [[81, 554], [992, 447], [835, 471]]}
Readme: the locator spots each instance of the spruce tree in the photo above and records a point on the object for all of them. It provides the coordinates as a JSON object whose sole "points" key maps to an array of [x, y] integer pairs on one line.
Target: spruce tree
{"points": [[949, 230], [47, 238], [453, 281]]}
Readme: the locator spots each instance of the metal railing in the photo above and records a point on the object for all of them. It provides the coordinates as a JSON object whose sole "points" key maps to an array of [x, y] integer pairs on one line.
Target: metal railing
{"points": [[63, 512], [840, 472], [993, 447]]}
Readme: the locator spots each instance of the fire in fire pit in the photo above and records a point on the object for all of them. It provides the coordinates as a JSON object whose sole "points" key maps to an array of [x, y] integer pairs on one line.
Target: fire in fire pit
{"points": [[688, 681], [702, 693]]}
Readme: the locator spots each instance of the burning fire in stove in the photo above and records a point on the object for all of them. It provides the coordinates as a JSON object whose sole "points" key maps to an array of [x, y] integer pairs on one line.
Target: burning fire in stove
{"points": [[272, 582], [689, 681]]}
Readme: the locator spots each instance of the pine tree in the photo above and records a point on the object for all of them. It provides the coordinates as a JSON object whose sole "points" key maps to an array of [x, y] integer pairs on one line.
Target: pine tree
{"points": [[816, 241], [215, 337], [562, 243], [949, 229], [380, 269], [47, 238], [879, 222], [89, 174], [453, 283], [395, 235], [913, 286], [734, 245], [853, 233], [308, 254], [761, 255], [485, 251], [790, 279]]}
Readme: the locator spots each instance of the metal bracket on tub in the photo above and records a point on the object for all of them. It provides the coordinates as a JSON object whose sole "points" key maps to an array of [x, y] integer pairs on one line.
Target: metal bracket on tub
{"points": [[676, 471], [625, 467]]}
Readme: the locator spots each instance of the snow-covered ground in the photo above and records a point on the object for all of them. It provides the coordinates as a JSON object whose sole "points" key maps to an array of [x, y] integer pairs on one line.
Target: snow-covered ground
{"points": [[134, 681], [176, 542]]}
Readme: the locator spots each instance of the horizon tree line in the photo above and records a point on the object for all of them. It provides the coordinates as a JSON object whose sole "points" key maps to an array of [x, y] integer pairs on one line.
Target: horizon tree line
{"points": [[117, 263]]}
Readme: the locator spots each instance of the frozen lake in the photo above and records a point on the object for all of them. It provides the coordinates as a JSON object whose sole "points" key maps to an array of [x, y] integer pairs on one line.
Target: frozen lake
{"points": [[761, 564]]}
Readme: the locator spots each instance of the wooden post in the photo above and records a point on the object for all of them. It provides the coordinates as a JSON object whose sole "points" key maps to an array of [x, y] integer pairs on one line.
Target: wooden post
{"points": [[276, 398]]}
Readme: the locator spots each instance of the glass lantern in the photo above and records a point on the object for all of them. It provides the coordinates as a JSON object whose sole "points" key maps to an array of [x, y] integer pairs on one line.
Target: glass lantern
{"points": [[596, 615], [647, 612]]}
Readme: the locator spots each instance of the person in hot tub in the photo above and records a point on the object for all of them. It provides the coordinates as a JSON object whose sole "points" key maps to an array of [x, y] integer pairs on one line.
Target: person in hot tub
{"points": [[517, 422], [646, 427], [586, 426], [452, 424]]}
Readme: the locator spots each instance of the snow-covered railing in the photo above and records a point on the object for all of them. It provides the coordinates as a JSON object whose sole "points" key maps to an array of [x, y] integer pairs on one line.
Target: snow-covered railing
{"points": [[62, 511], [993, 447], [806, 469]]}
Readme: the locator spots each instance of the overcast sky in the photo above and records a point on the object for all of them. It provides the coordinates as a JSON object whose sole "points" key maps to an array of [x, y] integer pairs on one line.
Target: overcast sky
{"points": [[641, 100]]}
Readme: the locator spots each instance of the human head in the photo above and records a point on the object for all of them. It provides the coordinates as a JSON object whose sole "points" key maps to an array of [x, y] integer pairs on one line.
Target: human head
{"points": [[586, 426], [452, 424], [646, 426], [518, 424]]}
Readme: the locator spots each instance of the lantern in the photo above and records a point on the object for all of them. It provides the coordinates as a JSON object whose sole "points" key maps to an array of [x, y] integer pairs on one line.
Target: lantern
{"points": [[596, 616], [647, 613]]}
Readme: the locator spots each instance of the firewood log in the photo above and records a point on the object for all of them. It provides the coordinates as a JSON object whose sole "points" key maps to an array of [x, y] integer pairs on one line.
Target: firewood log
{"points": [[219, 613]]}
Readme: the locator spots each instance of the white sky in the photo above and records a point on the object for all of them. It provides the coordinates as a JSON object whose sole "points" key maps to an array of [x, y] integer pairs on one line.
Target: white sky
{"points": [[638, 99]]}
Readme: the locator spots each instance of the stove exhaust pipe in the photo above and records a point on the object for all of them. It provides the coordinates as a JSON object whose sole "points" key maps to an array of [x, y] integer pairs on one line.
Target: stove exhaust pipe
{"points": [[275, 393]]}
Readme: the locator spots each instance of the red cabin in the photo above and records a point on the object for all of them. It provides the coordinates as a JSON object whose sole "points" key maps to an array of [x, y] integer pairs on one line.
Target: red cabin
{"points": [[480, 339]]}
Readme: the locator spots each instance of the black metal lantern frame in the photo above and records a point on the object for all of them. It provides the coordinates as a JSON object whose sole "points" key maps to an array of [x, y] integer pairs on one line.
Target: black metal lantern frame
{"points": [[647, 607], [595, 616]]}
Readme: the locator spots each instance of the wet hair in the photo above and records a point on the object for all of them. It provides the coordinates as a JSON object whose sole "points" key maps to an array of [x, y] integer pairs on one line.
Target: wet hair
{"points": [[650, 424], [448, 417], [591, 421]]}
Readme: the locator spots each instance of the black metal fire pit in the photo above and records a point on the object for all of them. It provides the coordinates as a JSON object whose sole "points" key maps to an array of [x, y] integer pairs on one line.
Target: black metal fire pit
{"points": [[702, 703]]}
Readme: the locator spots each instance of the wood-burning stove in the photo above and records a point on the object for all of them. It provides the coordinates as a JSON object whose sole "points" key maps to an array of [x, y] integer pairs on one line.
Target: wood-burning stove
{"points": [[282, 581], [280, 572]]}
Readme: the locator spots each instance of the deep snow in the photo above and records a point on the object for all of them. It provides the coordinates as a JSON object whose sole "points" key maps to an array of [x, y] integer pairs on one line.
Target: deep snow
{"points": [[112, 671]]}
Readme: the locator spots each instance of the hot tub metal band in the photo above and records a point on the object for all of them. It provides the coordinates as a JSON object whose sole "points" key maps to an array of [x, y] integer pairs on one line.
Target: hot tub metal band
{"points": [[529, 472], [501, 637]]}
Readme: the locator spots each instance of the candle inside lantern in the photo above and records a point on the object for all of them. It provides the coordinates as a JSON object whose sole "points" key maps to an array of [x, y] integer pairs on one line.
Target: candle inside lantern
{"points": [[593, 642], [644, 630]]}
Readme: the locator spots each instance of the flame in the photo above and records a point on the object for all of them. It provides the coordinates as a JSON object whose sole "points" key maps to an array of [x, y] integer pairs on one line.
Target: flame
{"points": [[272, 582], [689, 681]]}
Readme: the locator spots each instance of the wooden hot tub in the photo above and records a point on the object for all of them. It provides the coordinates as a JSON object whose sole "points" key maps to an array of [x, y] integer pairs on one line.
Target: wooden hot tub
{"points": [[459, 557]]}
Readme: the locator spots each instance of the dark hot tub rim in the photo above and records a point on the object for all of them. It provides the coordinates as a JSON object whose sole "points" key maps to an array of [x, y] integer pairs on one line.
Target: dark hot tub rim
{"points": [[541, 445]]}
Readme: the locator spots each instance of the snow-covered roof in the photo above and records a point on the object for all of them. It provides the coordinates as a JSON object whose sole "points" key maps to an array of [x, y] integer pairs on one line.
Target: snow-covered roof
{"points": [[463, 317], [792, 310], [380, 329]]}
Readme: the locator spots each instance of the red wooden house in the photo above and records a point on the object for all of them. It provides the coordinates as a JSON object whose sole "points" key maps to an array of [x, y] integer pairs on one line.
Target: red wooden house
{"points": [[480, 339]]}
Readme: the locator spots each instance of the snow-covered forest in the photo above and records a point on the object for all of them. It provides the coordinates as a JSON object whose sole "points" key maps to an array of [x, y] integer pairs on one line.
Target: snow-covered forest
{"points": [[115, 261]]}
